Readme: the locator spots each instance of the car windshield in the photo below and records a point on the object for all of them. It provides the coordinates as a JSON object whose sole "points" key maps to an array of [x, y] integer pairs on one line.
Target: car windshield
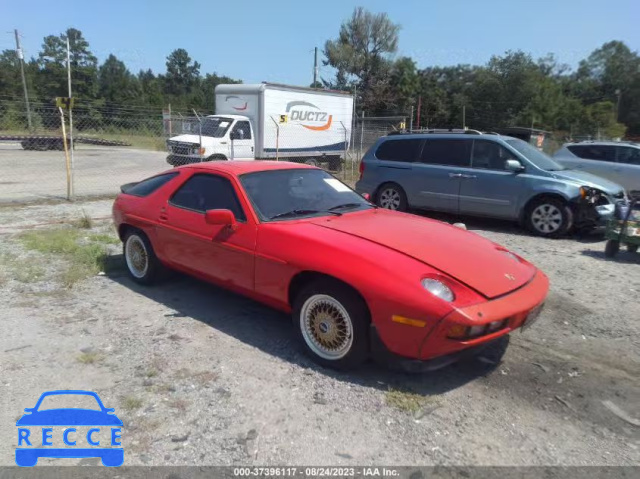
{"points": [[65, 401], [535, 156], [214, 127], [286, 194]]}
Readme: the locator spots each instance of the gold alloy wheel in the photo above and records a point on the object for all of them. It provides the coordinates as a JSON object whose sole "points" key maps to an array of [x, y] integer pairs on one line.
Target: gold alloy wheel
{"points": [[136, 256], [326, 327]]}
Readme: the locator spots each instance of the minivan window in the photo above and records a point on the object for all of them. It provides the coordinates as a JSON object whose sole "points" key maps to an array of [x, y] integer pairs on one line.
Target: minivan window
{"points": [[490, 155], [629, 155], [399, 150], [594, 152], [535, 156], [447, 152]]}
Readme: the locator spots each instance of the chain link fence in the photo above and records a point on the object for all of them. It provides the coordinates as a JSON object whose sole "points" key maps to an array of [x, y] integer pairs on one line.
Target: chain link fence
{"points": [[117, 145]]}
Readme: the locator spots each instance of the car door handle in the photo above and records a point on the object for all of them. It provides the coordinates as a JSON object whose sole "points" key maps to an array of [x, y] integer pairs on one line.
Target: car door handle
{"points": [[468, 176], [455, 175], [163, 217]]}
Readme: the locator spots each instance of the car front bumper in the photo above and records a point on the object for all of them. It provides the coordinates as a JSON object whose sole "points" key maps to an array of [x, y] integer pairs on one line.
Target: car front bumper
{"points": [[436, 349]]}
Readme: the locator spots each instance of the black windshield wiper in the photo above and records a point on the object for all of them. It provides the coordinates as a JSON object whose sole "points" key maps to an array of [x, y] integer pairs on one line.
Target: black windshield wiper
{"points": [[301, 212], [344, 205]]}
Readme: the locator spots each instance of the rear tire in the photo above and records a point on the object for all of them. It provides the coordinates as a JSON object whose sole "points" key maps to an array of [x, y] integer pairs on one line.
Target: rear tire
{"points": [[331, 323], [549, 217], [392, 197], [142, 264], [611, 249]]}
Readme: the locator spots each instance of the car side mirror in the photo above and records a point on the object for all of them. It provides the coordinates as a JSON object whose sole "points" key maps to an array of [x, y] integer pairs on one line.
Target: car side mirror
{"points": [[28, 409], [220, 217], [366, 196], [109, 410], [514, 165]]}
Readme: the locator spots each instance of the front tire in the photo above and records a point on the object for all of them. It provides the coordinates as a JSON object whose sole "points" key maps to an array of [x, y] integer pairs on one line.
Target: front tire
{"points": [[142, 264], [549, 217], [392, 197], [331, 322], [611, 248]]}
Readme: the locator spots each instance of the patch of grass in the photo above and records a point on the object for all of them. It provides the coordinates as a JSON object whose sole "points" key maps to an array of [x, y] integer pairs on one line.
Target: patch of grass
{"points": [[131, 403], [404, 401], [104, 239], [150, 373], [90, 357], [84, 222], [24, 270], [85, 258]]}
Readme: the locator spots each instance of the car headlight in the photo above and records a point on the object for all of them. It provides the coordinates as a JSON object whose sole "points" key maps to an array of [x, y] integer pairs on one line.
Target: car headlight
{"points": [[439, 289]]}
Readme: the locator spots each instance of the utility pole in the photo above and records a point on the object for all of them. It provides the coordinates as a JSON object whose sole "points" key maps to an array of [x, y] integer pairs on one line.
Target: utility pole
{"points": [[464, 117], [315, 67], [419, 109], [411, 120], [24, 81], [619, 93], [70, 111]]}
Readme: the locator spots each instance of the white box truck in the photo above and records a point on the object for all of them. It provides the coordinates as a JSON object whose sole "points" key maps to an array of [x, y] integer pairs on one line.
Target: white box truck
{"points": [[269, 121]]}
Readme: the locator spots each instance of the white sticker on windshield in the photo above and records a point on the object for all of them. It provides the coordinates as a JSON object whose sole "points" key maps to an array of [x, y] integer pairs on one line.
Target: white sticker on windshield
{"points": [[336, 185], [224, 124]]}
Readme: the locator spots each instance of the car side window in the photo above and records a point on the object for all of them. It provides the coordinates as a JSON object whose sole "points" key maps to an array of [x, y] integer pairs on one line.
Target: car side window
{"points": [[242, 131], [148, 186], [629, 155], [403, 149], [594, 152], [489, 155], [204, 192], [447, 152]]}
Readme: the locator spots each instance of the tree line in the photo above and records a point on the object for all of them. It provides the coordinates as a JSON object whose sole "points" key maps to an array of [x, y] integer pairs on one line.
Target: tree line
{"points": [[600, 97]]}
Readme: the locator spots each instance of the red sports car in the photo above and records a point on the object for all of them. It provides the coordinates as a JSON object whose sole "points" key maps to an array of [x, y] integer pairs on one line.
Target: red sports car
{"points": [[359, 280]]}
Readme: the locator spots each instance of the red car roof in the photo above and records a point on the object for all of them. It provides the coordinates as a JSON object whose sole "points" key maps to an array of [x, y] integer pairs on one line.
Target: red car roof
{"points": [[238, 167]]}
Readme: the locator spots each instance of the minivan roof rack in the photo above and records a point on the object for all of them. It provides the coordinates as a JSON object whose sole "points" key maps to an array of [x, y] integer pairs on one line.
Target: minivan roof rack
{"points": [[457, 131]]}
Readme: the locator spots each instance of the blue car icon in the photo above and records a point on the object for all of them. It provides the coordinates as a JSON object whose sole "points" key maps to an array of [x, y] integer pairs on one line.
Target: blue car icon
{"points": [[70, 417]]}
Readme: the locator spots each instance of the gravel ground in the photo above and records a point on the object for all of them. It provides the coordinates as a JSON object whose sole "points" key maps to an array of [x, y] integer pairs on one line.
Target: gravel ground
{"points": [[204, 377]]}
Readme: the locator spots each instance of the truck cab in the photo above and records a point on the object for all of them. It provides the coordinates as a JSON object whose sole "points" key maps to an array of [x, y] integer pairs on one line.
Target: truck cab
{"points": [[216, 137]]}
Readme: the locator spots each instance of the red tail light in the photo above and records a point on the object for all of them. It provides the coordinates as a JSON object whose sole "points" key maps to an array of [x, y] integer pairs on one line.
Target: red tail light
{"points": [[361, 168]]}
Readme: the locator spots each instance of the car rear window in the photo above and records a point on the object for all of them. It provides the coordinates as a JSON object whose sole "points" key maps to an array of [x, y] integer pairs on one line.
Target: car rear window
{"points": [[399, 150], [148, 186], [447, 152]]}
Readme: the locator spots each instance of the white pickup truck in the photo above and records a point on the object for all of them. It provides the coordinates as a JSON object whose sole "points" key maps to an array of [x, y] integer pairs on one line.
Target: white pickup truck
{"points": [[269, 121]]}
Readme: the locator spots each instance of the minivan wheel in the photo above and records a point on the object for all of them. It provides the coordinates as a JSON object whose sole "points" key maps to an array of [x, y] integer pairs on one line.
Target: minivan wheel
{"points": [[549, 217], [392, 197]]}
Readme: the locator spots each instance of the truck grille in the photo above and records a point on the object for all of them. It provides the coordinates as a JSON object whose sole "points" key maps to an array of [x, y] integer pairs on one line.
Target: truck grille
{"points": [[185, 149]]}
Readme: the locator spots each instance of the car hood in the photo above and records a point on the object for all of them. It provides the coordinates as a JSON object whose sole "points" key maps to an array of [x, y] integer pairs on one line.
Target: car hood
{"points": [[587, 179], [463, 255], [186, 139], [69, 417]]}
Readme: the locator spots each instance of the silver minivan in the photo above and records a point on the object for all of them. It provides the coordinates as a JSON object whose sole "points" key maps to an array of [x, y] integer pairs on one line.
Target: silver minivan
{"points": [[616, 161], [485, 175]]}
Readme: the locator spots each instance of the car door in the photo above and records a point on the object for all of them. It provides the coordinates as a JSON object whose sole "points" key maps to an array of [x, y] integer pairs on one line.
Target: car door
{"points": [[596, 159], [216, 252], [628, 167], [241, 141], [488, 188], [395, 158], [437, 175]]}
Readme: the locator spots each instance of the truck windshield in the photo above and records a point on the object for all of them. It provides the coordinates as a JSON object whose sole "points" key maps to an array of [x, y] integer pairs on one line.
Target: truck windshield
{"points": [[535, 156], [215, 127]]}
